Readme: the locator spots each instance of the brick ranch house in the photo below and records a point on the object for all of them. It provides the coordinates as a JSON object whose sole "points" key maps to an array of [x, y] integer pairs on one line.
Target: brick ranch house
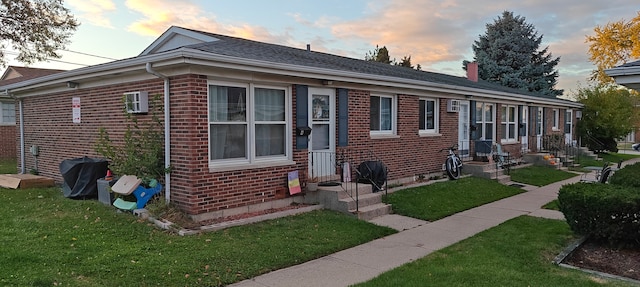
{"points": [[628, 75], [235, 112], [8, 130]]}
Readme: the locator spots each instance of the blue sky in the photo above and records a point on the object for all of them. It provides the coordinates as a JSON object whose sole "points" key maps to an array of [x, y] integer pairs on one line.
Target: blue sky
{"points": [[437, 34]]}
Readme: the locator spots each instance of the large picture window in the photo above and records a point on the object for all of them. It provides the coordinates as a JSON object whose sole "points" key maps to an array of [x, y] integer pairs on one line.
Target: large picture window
{"points": [[485, 120], [382, 112], [508, 123], [247, 124], [428, 116], [7, 113]]}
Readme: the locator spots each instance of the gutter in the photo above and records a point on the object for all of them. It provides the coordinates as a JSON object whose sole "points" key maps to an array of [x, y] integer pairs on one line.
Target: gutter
{"points": [[167, 139]]}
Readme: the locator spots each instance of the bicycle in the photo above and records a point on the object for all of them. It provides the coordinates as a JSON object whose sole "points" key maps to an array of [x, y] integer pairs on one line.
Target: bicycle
{"points": [[452, 164]]}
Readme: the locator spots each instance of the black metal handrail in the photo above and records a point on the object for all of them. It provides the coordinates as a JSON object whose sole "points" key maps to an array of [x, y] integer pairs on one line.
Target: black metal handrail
{"points": [[332, 167]]}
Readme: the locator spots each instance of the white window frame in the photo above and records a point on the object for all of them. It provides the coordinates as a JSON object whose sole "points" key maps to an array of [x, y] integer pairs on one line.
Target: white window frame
{"points": [[508, 112], [556, 120], [394, 115], [481, 120], [3, 106], [436, 116], [252, 160]]}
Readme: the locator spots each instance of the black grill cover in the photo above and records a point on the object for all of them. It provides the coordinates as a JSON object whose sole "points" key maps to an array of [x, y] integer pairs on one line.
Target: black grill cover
{"points": [[374, 172], [80, 176]]}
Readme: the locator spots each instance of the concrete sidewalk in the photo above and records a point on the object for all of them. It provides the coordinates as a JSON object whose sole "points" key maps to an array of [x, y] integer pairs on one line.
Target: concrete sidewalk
{"points": [[416, 239]]}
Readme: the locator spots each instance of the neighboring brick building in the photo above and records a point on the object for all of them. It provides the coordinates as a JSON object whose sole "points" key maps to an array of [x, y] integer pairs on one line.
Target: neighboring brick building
{"points": [[8, 129], [237, 112]]}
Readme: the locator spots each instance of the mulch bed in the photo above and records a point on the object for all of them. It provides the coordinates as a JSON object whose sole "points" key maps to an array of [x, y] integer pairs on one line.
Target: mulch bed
{"points": [[594, 256]]}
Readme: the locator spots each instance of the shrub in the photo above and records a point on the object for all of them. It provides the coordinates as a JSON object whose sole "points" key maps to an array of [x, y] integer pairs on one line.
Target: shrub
{"points": [[605, 212], [141, 152], [627, 176]]}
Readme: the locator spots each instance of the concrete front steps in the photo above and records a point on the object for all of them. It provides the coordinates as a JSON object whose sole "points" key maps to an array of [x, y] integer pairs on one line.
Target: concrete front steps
{"points": [[486, 170], [343, 198]]}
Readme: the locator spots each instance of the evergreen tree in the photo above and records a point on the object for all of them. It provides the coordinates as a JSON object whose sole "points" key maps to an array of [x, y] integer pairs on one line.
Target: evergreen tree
{"points": [[405, 62], [508, 54], [379, 54]]}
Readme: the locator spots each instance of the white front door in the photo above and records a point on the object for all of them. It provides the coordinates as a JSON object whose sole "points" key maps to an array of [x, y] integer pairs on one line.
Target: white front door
{"points": [[568, 126], [524, 138], [463, 129], [322, 142]]}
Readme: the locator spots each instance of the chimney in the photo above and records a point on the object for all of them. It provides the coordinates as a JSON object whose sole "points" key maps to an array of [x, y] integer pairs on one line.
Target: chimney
{"points": [[472, 71], [308, 47]]}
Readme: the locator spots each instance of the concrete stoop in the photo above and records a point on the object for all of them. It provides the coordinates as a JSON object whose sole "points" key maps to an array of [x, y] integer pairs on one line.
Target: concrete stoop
{"points": [[486, 170], [343, 199]]}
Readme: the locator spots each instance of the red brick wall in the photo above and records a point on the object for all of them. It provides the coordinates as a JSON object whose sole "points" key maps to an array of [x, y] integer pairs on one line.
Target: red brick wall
{"points": [[48, 123], [8, 146], [408, 154]]}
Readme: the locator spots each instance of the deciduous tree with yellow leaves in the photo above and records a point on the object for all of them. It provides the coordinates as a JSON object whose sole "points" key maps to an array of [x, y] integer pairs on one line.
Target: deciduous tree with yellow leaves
{"points": [[612, 45]]}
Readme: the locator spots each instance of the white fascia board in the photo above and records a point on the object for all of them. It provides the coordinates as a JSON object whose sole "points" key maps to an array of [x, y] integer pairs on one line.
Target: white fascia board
{"points": [[172, 32]]}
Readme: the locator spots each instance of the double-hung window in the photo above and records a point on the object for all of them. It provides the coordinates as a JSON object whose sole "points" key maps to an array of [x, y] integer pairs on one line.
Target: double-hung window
{"points": [[383, 114], [556, 120], [7, 113], [485, 120], [428, 116], [508, 123], [248, 124]]}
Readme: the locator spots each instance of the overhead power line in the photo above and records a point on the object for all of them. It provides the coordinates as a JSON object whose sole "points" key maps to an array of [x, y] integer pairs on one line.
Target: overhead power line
{"points": [[87, 54]]}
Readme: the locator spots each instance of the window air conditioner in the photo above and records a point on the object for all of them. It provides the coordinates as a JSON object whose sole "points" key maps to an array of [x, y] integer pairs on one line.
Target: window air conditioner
{"points": [[453, 106], [136, 102], [578, 114]]}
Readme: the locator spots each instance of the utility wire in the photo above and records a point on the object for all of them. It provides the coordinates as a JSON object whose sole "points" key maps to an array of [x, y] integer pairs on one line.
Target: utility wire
{"points": [[87, 54], [48, 59]]}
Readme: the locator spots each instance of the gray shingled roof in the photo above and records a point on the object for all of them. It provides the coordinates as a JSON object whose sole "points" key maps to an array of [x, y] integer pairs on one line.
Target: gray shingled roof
{"points": [[631, 64], [243, 48]]}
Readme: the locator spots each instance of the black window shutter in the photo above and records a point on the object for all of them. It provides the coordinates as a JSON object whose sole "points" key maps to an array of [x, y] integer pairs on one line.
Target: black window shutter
{"points": [[343, 117], [522, 130], [544, 120], [567, 127], [472, 118], [302, 116]]}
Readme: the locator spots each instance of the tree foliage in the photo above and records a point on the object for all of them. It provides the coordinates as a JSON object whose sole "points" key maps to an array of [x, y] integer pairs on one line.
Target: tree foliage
{"points": [[614, 44], [508, 54], [381, 54], [35, 28], [608, 115]]}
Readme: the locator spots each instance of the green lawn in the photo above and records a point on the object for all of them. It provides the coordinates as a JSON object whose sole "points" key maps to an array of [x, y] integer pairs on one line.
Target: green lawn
{"points": [[8, 166], [441, 199], [539, 175], [612, 158], [516, 253], [49, 240]]}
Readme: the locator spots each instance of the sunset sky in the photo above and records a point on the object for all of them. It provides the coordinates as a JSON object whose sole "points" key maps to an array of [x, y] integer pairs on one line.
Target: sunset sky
{"points": [[437, 34]]}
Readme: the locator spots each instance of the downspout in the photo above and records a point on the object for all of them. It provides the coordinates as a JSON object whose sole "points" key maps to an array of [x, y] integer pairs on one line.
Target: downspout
{"points": [[167, 141], [21, 113]]}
